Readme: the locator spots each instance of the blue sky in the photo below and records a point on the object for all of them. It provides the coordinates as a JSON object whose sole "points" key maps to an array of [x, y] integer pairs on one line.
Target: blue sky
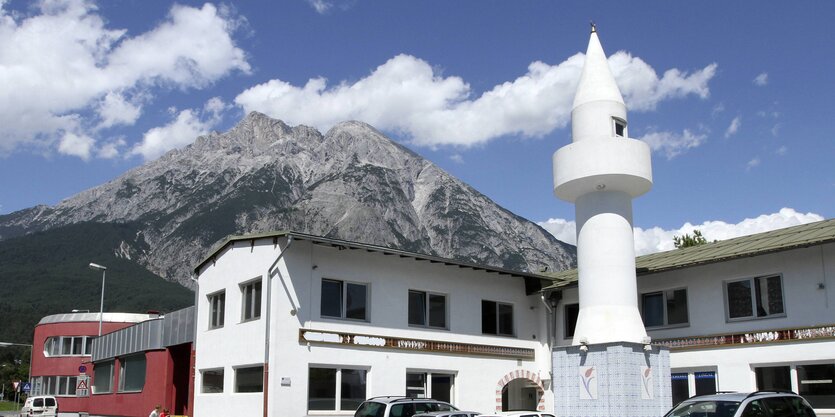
{"points": [[736, 99]]}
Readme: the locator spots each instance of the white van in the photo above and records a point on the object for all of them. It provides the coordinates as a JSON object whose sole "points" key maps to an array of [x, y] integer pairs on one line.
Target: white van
{"points": [[40, 405]]}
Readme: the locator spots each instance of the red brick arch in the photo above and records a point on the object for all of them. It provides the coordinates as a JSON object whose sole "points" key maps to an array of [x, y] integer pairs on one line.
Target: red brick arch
{"points": [[521, 374]]}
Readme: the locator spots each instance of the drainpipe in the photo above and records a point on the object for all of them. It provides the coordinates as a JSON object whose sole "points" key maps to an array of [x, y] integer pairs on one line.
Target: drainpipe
{"points": [[548, 319], [267, 323]]}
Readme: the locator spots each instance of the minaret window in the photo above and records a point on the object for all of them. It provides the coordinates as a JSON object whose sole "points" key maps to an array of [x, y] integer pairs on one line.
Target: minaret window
{"points": [[619, 126]]}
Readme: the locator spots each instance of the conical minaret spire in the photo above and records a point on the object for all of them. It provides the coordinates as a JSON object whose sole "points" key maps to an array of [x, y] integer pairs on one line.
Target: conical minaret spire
{"points": [[601, 171]]}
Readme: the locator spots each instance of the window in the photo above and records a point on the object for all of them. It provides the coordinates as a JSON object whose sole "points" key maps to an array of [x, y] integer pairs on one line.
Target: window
{"points": [[619, 126], [427, 309], [103, 377], [217, 307], [680, 387], [345, 300], [249, 379], [705, 382], [571, 311], [664, 308], [496, 318], [212, 381], [335, 389], [132, 373], [437, 386], [54, 385], [755, 297], [251, 300], [68, 346], [816, 383]]}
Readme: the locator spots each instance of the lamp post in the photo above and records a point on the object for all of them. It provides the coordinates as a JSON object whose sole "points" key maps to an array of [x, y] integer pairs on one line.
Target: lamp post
{"points": [[103, 270]]}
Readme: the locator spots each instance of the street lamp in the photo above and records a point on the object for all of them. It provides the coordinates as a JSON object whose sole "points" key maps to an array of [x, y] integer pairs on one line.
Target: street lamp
{"points": [[103, 270]]}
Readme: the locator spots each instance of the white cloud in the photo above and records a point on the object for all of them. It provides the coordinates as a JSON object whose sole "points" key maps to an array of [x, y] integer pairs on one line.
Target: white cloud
{"points": [[775, 131], [563, 230], [734, 127], [63, 71], [407, 95], [782, 150], [76, 145], [114, 109], [761, 79], [753, 163], [656, 239], [457, 158], [111, 149], [672, 144], [183, 130], [321, 6], [719, 108]]}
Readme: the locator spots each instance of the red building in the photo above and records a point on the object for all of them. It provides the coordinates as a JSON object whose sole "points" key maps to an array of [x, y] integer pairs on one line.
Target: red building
{"points": [[140, 361]]}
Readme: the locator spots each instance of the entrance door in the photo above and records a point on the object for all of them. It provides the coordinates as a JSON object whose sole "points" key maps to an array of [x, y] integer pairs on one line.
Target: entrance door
{"points": [[520, 394]]}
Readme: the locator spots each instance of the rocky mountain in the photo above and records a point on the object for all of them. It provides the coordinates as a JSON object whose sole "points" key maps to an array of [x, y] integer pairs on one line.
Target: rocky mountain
{"points": [[352, 183]]}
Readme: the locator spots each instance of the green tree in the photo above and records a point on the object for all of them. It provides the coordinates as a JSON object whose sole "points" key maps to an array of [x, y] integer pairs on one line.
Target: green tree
{"points": [[686, 241]]}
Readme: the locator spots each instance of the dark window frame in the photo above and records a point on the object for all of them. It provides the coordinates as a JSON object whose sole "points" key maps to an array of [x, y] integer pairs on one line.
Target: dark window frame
{"points": [[344, 298], [497, 318], [212, 389], [427, 309], [757, 311], [665, 314]]}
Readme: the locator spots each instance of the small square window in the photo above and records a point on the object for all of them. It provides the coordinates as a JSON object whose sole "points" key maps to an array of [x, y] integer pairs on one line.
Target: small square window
{"points": [[759, 297], [496, 318], [212, 381], [664, 308], [345, 300], [249, 379], [427, 309], [619, 127]]}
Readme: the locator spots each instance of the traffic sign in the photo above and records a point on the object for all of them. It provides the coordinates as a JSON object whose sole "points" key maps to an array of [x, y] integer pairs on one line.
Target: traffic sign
{"points": [[82, 369], [15, 384], [27, 387]]}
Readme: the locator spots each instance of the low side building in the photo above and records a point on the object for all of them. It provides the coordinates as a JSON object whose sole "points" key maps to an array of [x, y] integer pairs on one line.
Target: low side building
{"points": [[752, 313], [61, 353], [299, 325]]}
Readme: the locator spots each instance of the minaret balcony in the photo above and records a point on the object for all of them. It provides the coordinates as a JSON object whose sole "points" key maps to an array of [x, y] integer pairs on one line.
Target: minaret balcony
{"points": [[588, 166]]}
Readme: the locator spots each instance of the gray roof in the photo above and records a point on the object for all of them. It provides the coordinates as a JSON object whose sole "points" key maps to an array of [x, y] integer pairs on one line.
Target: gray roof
{"points": [[795, 237]]}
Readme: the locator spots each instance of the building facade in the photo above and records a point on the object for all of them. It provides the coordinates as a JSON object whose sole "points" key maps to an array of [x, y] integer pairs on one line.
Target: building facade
{"points": [[62, 352], [745, 314], [302, 325]]}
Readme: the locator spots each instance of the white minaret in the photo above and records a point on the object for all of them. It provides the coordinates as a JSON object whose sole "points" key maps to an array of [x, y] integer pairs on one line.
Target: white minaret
{"points": [[601, 171]]}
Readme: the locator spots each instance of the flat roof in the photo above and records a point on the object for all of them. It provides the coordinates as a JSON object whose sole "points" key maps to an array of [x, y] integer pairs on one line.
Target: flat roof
{"points": [[362, 246], [779, 240], [106, 317]]}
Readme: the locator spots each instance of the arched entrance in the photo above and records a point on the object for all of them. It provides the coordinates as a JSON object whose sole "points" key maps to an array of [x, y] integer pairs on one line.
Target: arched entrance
{"points": [[520, 390]]}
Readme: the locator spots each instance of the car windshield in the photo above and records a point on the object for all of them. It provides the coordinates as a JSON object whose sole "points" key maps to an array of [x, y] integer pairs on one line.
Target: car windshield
{"points": [[704, 409]]}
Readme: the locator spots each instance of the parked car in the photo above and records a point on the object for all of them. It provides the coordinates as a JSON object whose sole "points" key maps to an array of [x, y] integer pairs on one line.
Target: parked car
{"points": [[736, 404], [40, 405], [448, 414], [399, 406], [521, 413]]}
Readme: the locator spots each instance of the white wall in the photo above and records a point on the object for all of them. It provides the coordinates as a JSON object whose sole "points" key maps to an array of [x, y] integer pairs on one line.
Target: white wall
{"points": [[297, 288]]}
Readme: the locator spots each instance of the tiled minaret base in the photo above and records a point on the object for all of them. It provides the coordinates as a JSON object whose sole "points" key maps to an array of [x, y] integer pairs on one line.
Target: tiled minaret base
{"points": [[617, 379]]}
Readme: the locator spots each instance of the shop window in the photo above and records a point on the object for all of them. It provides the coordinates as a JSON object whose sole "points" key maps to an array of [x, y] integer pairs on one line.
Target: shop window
{"points": [[217, 307], [103, 377], [438, 386], [427, 309], [496, 318], [773, 378], [212, 381], [251, 302], [571, 311], [132, 373], [816, 383], [758, 297], [346, 300], [335, 389], [664, 308], [249, 379]]}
